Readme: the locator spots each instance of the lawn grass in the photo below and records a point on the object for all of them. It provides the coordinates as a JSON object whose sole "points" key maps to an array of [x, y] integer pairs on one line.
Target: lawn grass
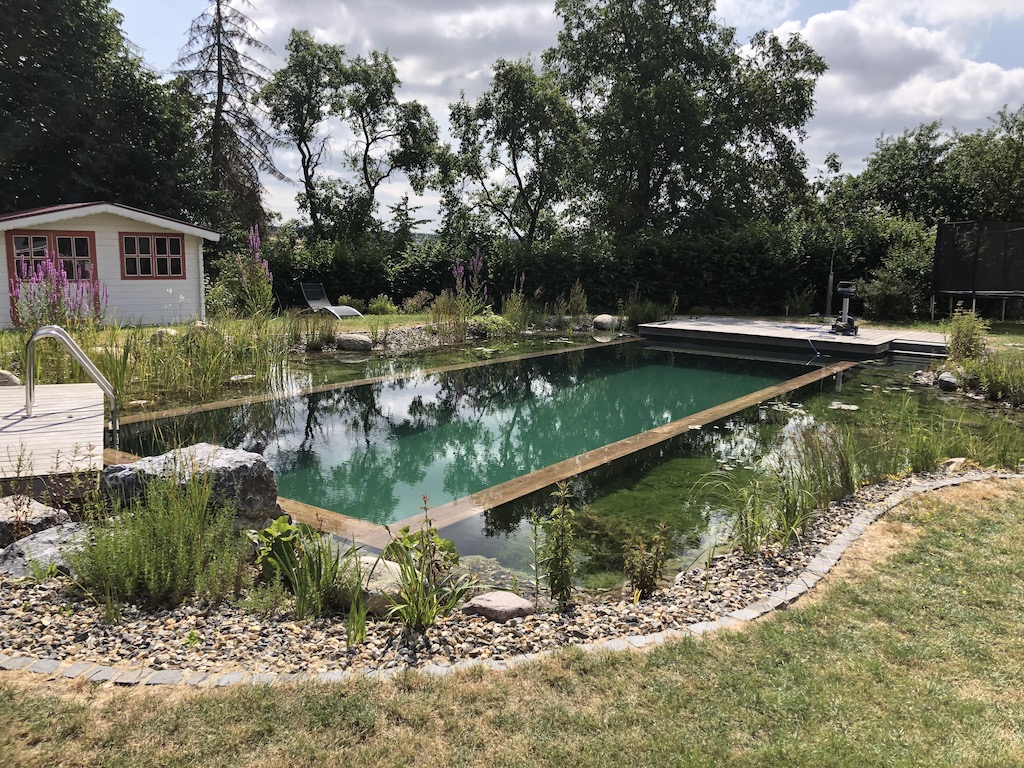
{"points": [[910, 657]]}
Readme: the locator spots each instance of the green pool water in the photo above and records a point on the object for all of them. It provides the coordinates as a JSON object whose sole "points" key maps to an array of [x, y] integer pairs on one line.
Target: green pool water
{"points": [[374, 451]]}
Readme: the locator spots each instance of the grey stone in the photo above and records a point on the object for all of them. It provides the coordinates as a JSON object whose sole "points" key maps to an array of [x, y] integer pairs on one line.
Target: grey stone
{"points": [[498, 606], [132, 677], [638, 641], [230, 678], [353, 342], [263, 678], [166, 677], [745, 614], [8, 379], [606, 323], [78, 669], [726, 622], [195, 678], [947, 382], [237, 476], [43, 548], [952, 466], [17, 662], [381, 582], [22, 515], [102, 674]]}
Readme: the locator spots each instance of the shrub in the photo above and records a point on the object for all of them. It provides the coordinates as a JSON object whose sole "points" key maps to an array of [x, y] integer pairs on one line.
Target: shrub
{"points": [[163, 551], [413, 305], [244, 285], [305, 560], [351, 301], [382, 305], [490, 327], [966, 336], [644, 563], [559, 542]]}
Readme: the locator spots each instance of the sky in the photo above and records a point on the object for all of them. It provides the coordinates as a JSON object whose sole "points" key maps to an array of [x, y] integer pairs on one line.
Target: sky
{"points": [[893, 64]]}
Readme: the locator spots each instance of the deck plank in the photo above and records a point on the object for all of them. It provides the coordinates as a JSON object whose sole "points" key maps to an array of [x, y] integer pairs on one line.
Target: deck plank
{"points": [[63, 435]]}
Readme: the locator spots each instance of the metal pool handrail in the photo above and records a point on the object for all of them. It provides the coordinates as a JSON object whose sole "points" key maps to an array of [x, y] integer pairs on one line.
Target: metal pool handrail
{"points": [[56, 332]]}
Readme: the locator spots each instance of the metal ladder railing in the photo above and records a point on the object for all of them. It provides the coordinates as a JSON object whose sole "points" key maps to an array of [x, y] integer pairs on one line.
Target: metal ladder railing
{"points": [[56, 332]]}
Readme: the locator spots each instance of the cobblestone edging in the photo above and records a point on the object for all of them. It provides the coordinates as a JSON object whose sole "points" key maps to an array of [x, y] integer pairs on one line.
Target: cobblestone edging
{"points": [[819, 566]]}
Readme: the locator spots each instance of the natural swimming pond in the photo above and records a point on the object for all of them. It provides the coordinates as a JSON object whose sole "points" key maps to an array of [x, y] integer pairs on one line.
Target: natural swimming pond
{"points": [[372, 451]]}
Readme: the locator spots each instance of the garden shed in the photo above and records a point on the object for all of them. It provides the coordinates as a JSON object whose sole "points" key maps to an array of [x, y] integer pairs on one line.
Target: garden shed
{"points": [[149, 266]]}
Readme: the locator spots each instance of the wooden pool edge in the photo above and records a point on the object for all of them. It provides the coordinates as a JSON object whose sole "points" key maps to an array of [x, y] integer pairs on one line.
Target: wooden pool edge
{"points": [[376, 536]]}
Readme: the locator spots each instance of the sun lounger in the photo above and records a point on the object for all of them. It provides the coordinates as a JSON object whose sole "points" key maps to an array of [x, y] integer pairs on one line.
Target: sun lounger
{"points": [[316, 297]]}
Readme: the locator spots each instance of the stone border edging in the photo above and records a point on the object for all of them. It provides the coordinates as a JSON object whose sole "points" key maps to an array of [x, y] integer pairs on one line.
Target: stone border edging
{"points": [[821, 564]]}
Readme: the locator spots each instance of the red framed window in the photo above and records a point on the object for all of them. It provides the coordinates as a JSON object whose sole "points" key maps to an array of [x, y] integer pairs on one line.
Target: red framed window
{"points": [[74, 252], [152, 257]]}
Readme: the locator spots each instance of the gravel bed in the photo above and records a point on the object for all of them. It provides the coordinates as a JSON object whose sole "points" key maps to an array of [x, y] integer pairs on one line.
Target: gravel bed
{"points": [[47, 620]]}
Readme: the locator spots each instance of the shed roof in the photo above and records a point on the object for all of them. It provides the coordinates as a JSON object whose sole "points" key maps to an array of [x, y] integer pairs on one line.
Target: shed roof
{"points": [[54, 213]]}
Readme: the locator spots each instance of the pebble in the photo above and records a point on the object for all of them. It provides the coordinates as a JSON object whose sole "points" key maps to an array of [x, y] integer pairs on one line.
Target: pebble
{"points": [[193, 639]]}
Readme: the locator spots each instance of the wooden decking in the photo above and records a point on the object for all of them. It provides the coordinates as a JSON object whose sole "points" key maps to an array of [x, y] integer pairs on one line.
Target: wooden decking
{"points": [[814, 340], [64, 434]]}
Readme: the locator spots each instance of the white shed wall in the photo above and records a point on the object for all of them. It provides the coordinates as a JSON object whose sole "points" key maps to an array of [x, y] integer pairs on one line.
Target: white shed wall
{"points": [[147, 301]]}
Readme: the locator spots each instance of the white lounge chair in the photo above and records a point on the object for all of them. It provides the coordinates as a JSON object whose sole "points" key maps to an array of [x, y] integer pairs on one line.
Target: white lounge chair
{"points": [[316, 297]]}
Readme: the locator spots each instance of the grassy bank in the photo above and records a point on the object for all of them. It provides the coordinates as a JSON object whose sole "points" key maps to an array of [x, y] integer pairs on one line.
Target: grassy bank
{"points": [[911, 657]]}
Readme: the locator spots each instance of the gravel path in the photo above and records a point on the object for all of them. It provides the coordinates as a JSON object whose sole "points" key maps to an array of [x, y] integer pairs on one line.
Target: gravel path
{"points": [[45, 620]]}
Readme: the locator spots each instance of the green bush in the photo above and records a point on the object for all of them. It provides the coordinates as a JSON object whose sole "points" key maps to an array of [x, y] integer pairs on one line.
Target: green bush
{"points": [[966, 337], [644, 563], [162, 551], [351, 301], [413, 305], [305, 560], [382, 305], [490, 327], [558, 548], [639, 311]]}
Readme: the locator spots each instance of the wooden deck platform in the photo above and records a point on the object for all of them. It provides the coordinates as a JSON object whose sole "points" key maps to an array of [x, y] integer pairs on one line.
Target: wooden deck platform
{"points": [[64, 434], [810, 339]]}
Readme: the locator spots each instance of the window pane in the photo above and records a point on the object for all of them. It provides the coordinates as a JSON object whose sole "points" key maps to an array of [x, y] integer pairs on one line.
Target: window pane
{"points": [[131, 266], [20, 244], [82, 247], [64, 246], [39, 247], [175, 246], [161, 246], [161, 266], [145, 266], [144, 246], [176, 267], [68, 265], [129, 246]]}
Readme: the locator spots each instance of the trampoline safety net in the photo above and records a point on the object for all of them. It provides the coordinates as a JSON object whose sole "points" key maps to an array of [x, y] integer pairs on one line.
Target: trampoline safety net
{"points": [[979, 258]]}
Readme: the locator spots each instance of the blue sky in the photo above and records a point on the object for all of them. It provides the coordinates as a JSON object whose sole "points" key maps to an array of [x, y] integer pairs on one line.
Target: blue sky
{"points": [[894, 64]]}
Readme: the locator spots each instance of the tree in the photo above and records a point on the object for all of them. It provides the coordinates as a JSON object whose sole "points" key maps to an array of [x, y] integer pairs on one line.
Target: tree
{"points": [[515, 143], [681, 127], [388, 135], [985, 171], [94, 125], [217, 68], [298, 98]]}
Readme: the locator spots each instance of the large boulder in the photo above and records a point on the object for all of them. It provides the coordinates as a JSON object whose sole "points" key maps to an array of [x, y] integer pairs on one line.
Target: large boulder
{"points": [[606, 323], [947, 382], [353, 342], [498, 606], [237, 476], [21, 516], [8, 379], [43, 548]]}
